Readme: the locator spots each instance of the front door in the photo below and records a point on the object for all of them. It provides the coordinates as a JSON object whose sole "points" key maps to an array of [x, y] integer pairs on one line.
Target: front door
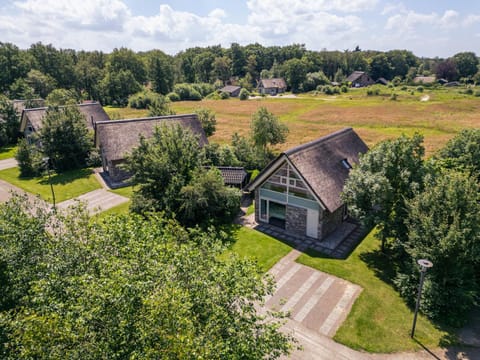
{"points": [[312, 223]]}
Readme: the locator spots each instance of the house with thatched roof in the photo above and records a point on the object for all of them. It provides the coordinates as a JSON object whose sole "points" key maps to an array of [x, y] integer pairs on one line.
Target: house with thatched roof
{"points": [[359, 79], [272, 86], [32, 119], [299, 191], [116, 139], [19, 105], [231, 90], [424, 79]]}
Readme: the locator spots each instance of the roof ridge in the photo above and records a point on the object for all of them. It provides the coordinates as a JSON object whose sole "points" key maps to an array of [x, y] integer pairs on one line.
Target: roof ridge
{"points": [[63, 106], [164, 117], [317, 141]]}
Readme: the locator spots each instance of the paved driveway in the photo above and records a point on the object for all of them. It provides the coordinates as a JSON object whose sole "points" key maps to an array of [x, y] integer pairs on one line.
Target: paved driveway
{"points": [[8, 163], [96, 201]]}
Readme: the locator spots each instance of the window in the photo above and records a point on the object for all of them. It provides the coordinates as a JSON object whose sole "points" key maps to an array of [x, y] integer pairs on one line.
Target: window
{"points": [[346, 164]]}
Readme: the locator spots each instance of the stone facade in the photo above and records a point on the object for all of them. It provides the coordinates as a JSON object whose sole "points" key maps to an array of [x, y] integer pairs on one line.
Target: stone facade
{"points": [[296, 220], [116, 173], [330, 222]]}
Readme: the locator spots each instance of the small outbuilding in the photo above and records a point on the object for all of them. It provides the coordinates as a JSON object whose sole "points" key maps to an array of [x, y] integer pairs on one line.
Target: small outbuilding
{"points": [[272, 86], [233, 176], [299, 191], [231, 90], [424, 80], [360, 79], [116, 139]]}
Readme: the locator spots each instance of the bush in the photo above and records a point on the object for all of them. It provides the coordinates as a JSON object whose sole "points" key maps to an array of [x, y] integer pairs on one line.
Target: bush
{"points": [[404, 88], [344, 89], [477, 93], [187, 92], [173, 96], [224, 95], [142, 99], [468, 91], [244, 94], [420, 88], [213, 96], [393, 97], [203, 89], [328, 90], [29, 159]]}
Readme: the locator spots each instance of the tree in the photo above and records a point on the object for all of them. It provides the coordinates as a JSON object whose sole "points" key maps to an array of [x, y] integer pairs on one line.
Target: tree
{"points": [[266, 129], [221, 68], [207, 119], [14, 64], [127, 287], [124, 59], [239, 62], [9, 122], [42, 83], [59, 97], [443, 225], [462, 153], [160, 106], [466, 63], [117, 87], [29, 159], [386, 177], [64, 138], [446, 70], [160, 71], [380, 67], [295, 73]]}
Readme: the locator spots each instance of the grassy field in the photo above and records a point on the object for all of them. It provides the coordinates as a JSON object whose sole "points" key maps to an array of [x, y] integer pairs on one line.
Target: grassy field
{"points": [[7, 152], [260, 247], [438, 114], [66, 185], [375, 118], [379, 320]]}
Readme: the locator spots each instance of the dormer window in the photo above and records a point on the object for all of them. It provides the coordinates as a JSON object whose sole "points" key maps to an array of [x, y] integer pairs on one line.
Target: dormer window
{"points": [[346, 164]]}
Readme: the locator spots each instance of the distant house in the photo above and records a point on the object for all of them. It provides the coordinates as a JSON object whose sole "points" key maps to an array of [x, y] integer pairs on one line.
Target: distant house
{"points": [[32, 119], [424, 80], [116, 139], [299, 191], [272, 86], [382, 81], [231, 90], [452, 83], [360, 79]]}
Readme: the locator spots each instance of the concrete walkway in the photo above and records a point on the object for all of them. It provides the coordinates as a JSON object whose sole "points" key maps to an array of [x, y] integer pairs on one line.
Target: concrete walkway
{"points": [[8, 163], [96, 201]]}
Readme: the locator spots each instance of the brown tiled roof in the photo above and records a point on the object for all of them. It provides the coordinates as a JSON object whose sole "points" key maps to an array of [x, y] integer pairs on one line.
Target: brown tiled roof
{"points": [[118, 137], [321, 164], [273, 83], [93, 113], [233, 175], [355, 76]]}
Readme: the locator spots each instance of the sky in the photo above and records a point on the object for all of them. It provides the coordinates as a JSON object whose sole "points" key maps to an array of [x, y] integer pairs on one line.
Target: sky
{"points": [[428, 28]]}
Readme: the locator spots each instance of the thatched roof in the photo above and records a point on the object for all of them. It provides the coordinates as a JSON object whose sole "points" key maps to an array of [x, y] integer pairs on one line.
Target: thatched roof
{"points": [[273, 83], [230, 89], [424, 79], [355, 76], [93, 113], [19, 105], [117, 138], [322, 163]]}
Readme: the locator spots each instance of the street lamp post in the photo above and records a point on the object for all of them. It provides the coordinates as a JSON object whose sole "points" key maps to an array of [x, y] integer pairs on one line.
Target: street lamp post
{"points": [[424, 266], [47, 164]]}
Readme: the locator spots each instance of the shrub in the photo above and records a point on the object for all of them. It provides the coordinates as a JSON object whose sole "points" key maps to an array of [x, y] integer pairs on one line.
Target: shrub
{"points": [[187, 92], [328, 90], [420, 88], [477, 93], [344, 89], [224, 95], [173, 96], [213, 96], [393, 97], [244, 94], [142, 99], [404, 88], [29, 159], [203, 89], [468, 91]]}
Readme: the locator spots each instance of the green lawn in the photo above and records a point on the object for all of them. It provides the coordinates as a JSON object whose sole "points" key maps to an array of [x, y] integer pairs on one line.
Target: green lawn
{"points": [[379, 320], [121, 209], [266, 250], [7, 152], [66, 185], [126, 191]]}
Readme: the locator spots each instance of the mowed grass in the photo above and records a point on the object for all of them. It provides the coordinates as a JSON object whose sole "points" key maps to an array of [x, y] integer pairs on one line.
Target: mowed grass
{"points": [[379, 321], [66, 185], [7, 152], [264, 249]]}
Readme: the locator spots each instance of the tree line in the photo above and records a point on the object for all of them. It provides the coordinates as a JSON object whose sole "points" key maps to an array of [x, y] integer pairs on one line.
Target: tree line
{"points": [[111, 78]]}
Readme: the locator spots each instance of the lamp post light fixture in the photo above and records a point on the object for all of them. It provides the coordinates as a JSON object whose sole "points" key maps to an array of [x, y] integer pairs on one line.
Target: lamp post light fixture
{"points": [[424, 266]]}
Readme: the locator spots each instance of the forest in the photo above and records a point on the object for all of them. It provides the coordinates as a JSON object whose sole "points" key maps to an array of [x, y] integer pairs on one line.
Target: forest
{"points": [[111, 78]]}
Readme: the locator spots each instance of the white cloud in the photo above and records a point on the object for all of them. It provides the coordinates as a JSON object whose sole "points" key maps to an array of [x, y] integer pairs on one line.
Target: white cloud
{"points": [[408, 20], [471, 20]]}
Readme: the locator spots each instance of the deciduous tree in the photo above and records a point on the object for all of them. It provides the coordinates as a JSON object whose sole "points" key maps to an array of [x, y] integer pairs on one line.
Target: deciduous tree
{"points": [[266, 129]]}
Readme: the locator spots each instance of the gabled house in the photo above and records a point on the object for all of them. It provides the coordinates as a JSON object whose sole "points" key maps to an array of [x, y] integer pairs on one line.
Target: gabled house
{"points": [[19, 105], [231, 90], [360, 79], [272, 86], [424, 80], [299, 191], [116, 139], [233, 176], [32, 119]]}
